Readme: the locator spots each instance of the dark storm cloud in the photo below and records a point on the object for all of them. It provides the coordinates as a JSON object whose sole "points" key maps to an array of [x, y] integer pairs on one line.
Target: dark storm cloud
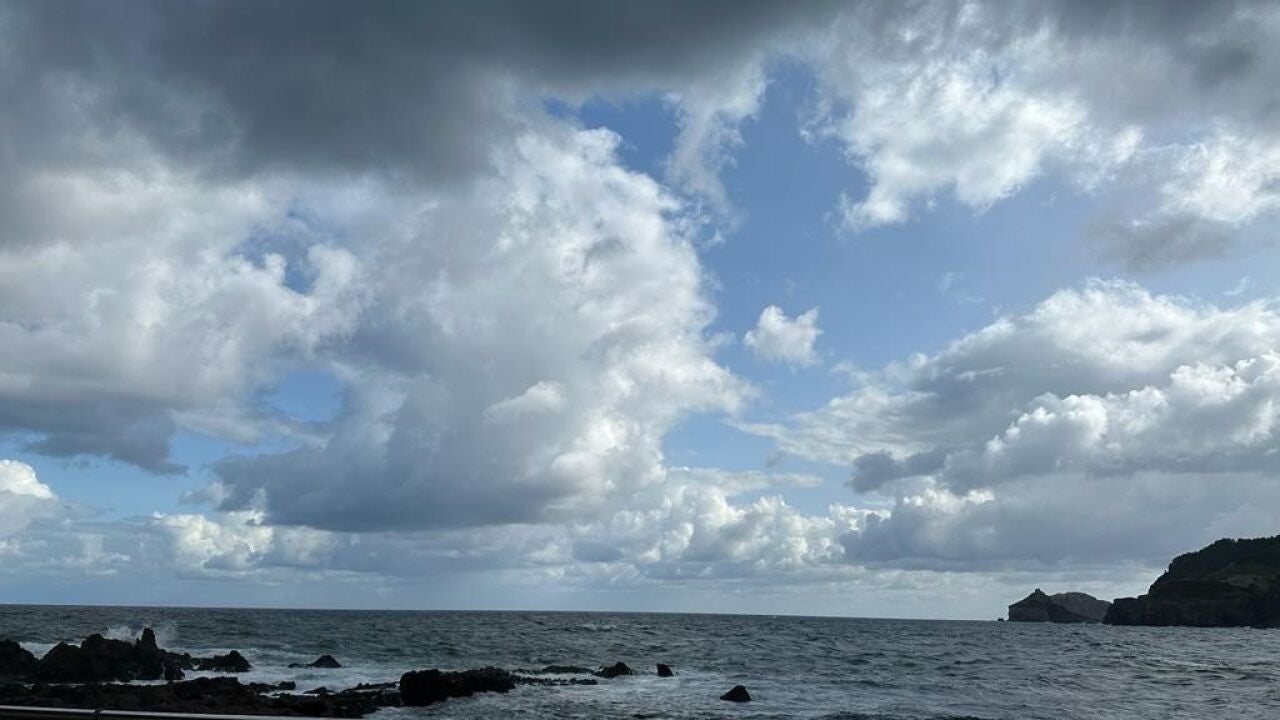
{"points": [[418, 87]]}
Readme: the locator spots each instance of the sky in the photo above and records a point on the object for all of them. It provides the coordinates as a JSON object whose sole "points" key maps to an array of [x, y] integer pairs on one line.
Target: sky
{"points": [[884, 309]]}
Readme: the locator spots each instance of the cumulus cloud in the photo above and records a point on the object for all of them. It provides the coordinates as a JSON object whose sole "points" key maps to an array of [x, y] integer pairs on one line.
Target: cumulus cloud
{"points": [[180, 231], [23, 498], [778, 338], [132, 313], [977, 100], [540, 353], [1004, 444]]}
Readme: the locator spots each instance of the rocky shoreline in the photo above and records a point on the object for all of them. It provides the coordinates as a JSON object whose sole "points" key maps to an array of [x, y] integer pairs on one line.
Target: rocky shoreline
{"points": [[106, 674], [1229, 583]]}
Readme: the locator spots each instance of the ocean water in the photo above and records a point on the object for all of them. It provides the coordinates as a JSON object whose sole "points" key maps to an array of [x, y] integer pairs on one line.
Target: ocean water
{"points": [[795, 667]]}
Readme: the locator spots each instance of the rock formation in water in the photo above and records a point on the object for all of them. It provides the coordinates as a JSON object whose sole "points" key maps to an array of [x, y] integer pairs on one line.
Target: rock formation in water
{"points": [[222, 695], [664, 670], [617, 669], [737, 694], [427, 687], [232, 662], [99, 659], [328, 662], [1229, 583], [1068, 607]]}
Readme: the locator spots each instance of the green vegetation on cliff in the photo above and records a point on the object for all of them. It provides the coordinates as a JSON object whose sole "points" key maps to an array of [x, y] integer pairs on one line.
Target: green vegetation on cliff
{"points": [[1228, 583]]}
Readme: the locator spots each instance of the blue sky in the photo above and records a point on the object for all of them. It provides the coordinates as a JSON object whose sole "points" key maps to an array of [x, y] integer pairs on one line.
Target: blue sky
{"points": [[533, 332]]}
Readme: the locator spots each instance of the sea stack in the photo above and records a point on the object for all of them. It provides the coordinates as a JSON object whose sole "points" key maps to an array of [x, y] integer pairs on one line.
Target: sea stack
{"points": [[1068, 607]]}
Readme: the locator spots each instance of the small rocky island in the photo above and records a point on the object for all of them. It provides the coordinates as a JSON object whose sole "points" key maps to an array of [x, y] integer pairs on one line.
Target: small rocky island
{"points": [[1230, 583], [1067, 607]]}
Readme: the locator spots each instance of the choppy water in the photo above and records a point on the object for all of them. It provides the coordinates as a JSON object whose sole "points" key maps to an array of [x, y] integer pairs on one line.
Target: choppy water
{"points": [[847, 669]]}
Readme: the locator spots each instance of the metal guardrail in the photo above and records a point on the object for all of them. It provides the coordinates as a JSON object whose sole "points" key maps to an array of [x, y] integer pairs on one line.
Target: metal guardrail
{"points": [[18, 712]]}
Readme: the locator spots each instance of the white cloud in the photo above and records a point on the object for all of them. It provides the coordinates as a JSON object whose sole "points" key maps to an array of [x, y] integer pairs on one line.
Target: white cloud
{"points": [[1238, 289], [1227, 178], [977, 100], [136, 305], [710, 115], [23, 500], [537, 335], [935, 99], [778, 338], [19, 478], [1002, 446]]}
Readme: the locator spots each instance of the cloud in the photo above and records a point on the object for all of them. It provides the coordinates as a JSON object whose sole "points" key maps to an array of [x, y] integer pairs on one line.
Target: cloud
{"points": [[976, 101], [23, 498], [422, 90], [538, 347], [777, 338], [1238, 289], [137, 308], [198, 202], [709, 119], [932, 98], [1002, 446]]}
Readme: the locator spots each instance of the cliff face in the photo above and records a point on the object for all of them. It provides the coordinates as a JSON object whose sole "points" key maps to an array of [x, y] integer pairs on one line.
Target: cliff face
{"points": [[1228, 583], [1073, 607]]}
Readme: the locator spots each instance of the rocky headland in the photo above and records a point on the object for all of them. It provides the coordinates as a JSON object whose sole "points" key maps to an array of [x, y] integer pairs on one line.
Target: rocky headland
{"points": [[1067, 607], [1230, 583]]}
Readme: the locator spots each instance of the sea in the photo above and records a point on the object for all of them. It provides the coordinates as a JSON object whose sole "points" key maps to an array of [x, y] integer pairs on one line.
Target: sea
{"points": [[794, 667]]}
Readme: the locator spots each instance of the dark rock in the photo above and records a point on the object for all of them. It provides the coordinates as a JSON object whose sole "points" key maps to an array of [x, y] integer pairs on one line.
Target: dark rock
{"points": [[1230, 583], [1069, 607], [223, 695], [324, 661], [173, 671], [364, 687], [426, 687], [15, 662], [612, 671], [665, 671], [109, 659], [152, 662], [322, 690], [100, 659], [737, 694], [565, 670], [64, 663], [147, 641], [553, 682], [232, 662]]}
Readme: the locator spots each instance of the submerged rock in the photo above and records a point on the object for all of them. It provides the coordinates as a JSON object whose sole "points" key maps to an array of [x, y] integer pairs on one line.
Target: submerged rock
{"points": [[1068, 607], [427, 687], [612, 671], [1230, 583], [664, 670], [737, 694], [565, 670]]}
